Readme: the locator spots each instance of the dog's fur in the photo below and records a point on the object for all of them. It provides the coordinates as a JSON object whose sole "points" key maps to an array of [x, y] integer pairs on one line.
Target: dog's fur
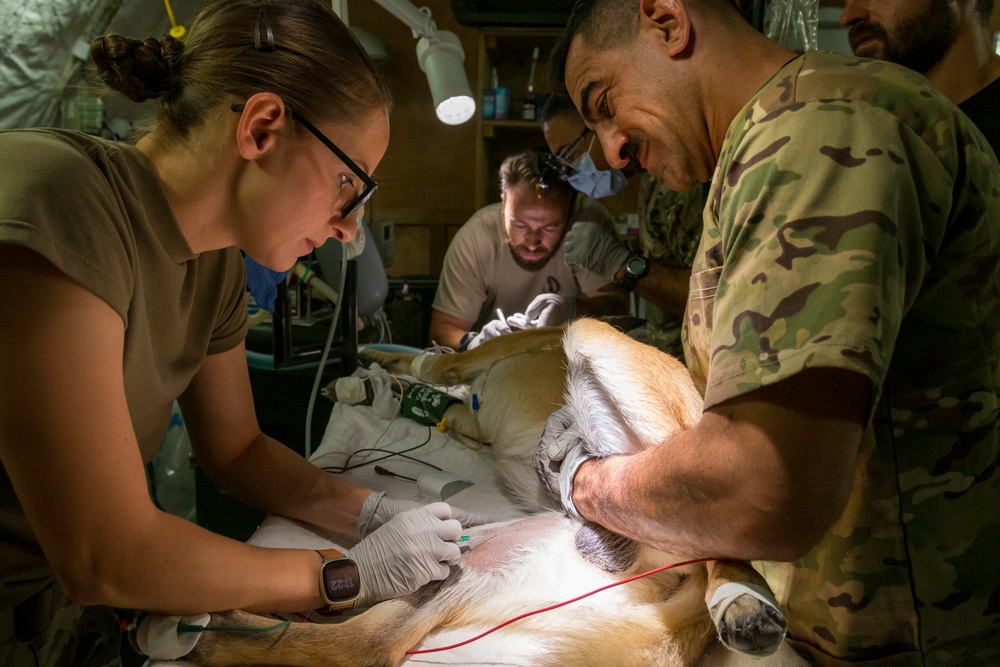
{"points": [[619, 392]]}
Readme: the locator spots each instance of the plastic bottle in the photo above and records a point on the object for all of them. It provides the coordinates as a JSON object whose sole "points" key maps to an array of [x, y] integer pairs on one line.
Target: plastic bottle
{"points": [[501, 98], [489, 104], [528, 106]]}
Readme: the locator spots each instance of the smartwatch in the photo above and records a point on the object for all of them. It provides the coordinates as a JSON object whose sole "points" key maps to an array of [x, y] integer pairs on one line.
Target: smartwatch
{"points": [[339, 580], [636, 268]]}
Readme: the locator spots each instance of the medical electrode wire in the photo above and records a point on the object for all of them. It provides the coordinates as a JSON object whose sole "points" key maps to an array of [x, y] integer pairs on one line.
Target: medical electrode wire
{"points": [[344, 468], [557, 605], [322, 360]]}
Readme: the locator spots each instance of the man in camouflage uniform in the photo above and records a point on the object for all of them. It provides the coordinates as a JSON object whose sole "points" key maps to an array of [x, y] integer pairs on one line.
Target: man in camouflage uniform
{"points": [[843, 323], [669, 230]]}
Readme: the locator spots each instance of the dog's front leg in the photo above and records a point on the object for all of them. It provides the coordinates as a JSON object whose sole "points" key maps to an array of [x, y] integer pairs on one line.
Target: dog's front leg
{"points": [[744, 612], [397, 363], [378, 637]]}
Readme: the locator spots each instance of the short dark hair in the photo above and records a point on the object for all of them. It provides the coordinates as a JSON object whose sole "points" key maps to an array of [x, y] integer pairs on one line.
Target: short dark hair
{"points": [[609, 24], [538, 167], [604, 24], [557, 106]]}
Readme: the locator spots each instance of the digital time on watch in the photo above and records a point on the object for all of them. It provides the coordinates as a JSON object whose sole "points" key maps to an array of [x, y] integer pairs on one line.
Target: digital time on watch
{"points": [[339, 580]]}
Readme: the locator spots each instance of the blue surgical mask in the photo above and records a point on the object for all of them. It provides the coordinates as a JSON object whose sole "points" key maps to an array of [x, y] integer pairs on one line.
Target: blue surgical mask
{"points": [[593, 182]]}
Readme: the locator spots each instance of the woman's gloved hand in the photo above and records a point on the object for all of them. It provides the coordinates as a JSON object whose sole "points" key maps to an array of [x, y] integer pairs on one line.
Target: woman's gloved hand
{"points": [[595, 247], [378, 509], [413, 548]]}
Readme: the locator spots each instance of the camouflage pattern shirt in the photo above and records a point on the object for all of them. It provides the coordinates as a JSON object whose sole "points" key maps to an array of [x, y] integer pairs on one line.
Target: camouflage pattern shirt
{"points": [[854, 222], [669, 230]]}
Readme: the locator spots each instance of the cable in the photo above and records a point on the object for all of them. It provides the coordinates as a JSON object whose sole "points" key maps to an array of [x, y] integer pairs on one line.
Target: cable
{"points": [[184, 627], [388, 473], [557, 605], [322, 361], [345, 467]]}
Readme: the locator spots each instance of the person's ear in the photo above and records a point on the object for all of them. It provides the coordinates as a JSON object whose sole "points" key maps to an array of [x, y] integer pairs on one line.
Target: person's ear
{"points": [[263, 117], [669, 21]]}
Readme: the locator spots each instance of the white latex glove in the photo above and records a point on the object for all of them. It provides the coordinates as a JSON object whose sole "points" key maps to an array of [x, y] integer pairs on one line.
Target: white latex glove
{"points": [[547, 310], [559, 455], [378, 509], [412, 549], [595, 247], [491, 329]]}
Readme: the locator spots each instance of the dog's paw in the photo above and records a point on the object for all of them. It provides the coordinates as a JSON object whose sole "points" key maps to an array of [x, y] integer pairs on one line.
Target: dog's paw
{"points": [[392, 362], [752, 626]]}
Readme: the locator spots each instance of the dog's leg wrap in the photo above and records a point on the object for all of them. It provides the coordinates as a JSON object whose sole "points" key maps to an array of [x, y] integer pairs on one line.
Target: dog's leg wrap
{"points": [[418, 362], [158, 638], [728, 592]]}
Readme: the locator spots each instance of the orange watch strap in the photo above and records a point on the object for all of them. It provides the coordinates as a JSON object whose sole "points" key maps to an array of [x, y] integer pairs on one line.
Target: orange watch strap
{"points": [[331, 554]]}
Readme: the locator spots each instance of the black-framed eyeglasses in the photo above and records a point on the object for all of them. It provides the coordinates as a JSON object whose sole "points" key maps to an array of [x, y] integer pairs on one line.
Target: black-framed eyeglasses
{"points": [[370, 186], [566, 154]]}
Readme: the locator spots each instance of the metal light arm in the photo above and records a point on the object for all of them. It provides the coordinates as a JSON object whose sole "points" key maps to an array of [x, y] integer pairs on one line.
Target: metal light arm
{"points": [[440, 55], [417, 20]]}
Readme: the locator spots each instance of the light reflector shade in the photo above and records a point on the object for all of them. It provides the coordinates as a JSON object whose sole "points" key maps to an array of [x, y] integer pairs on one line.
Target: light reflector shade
{"points": [[441, 60]]}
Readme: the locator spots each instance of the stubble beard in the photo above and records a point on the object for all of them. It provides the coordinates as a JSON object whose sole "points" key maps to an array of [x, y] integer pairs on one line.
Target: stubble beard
{"points": [[919, 42], [527, 264]]}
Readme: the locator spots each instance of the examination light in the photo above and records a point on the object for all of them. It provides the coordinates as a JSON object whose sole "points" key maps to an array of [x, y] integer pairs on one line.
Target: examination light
{"points": [[440, 55]]}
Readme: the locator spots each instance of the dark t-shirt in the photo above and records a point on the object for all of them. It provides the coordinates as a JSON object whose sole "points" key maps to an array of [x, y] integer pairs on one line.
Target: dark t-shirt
{"points": [[97, 212], [984, 110]]}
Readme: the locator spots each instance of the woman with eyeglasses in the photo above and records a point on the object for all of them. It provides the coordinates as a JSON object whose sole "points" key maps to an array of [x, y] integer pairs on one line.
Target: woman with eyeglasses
{"points": [[123, 288]]}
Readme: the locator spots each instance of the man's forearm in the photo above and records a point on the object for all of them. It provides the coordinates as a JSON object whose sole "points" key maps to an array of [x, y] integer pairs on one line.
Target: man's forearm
{"points": [[671, 502], [446, 336], [611, 302], [752, 480], [447, 330]]}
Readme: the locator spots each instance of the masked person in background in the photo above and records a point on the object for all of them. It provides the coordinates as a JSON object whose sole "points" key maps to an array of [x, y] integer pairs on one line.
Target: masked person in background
{"points": [[659, 269], [505, 269], [123, 288]]}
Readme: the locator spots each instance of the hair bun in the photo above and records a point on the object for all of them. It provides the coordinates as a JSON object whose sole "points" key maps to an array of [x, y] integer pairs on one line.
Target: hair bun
{"points": [[140, 70]]}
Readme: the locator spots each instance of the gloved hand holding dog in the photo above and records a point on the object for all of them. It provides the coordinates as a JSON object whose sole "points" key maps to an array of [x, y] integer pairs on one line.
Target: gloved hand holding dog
{"points": [[411, 549], [594, 247], [491, 329], [548, 309], [559, 455], [378, 509]]}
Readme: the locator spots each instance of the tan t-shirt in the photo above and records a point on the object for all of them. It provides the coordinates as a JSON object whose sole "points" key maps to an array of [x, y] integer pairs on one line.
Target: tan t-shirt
{"points": [[479, 274], [95, 209]]}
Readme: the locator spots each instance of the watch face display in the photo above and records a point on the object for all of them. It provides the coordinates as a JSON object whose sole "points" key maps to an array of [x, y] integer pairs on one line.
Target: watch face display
{"points": [[340, 580], [636, 265]]}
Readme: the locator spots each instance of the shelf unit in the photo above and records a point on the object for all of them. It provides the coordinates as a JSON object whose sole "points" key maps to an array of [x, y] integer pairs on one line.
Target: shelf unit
{"points": [[509, 50]]}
